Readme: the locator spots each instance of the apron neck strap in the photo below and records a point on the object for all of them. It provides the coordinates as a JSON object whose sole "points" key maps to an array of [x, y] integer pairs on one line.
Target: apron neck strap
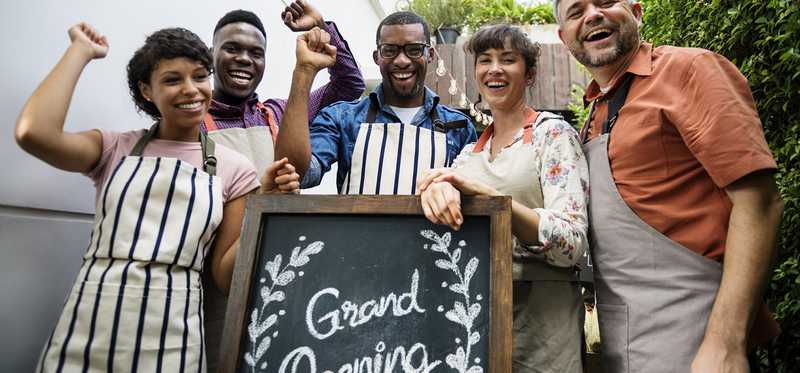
{"points": [[531, 116], [206, 145], [438, 124], [614, 106], [269, 117]]}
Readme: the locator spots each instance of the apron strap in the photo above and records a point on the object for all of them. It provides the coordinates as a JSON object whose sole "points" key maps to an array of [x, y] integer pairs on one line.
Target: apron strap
{"points": [[211, 125], [614, 106], [527, 132], [149, 135], [206, 145], [269, 116]]}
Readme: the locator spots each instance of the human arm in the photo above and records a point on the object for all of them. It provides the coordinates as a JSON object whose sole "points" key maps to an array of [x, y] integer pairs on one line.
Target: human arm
{"points": [[313, 53], [750, 249], [40, 126], [346, 82], [280, 177]]}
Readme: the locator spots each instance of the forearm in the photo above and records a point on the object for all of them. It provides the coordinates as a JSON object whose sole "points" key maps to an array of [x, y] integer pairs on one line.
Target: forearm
{"points": [[293, 138], [346, 82], [40, 126], [750, 243], [525, 224], [223, 269]]}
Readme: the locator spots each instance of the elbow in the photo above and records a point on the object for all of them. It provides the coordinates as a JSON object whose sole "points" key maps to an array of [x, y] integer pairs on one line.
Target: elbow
{"points": [[222, 282], [24, 135]]}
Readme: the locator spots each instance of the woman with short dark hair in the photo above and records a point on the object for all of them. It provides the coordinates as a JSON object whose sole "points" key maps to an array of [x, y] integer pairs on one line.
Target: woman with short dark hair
{"points": [[166, 197], [536, 158]]}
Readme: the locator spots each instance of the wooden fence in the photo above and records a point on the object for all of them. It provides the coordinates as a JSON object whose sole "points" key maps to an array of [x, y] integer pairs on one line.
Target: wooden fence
{"points": [[557, 72]]}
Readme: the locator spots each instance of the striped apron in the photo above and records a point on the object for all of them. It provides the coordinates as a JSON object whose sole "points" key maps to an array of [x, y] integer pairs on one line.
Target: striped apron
{"points": [[654, 295], [137, 302], [547, 305], [388, 157], [257, 143]]}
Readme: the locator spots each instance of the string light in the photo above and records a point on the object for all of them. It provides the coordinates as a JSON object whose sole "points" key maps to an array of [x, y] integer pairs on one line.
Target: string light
{"points": [[441, 71]]}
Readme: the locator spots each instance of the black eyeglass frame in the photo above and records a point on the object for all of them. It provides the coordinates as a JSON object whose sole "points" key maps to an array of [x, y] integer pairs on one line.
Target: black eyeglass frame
{"points": [[403, 48]]}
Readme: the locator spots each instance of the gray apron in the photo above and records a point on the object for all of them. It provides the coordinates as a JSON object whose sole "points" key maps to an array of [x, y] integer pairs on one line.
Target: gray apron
{"points": [[654, 295]]}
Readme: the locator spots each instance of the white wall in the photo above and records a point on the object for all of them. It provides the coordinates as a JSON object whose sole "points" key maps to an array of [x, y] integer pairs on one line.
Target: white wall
{"points": [[40, 249], [35, 37]]}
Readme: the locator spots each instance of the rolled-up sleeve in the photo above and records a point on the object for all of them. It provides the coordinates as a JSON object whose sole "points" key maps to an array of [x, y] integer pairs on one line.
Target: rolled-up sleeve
{"points": [[564, 179], [324, 138]]}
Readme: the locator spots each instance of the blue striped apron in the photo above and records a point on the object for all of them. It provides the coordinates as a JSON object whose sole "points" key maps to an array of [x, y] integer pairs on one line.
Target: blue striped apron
{"points": [[388, 157], [137, 301]]}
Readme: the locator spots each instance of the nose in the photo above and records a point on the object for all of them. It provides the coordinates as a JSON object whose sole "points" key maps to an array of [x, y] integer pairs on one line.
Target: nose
{"points": [[189, 88], [593, 15], [495, 67], [243, 58], [401, 59]]}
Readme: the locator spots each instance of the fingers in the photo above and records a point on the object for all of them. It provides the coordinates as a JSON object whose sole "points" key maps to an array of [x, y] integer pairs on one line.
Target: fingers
{"points": [[441, 204], [428, 177], [280, 177]]}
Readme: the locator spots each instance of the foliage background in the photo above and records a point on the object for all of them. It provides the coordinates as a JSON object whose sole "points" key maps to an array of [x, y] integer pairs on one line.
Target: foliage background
{"points": [[762, 37]]}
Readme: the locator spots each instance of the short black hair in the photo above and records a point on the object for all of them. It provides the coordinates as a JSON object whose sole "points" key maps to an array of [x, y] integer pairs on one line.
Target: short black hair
{"points": [[403, 18], [164, 44], [240, 15], [495, 37]]}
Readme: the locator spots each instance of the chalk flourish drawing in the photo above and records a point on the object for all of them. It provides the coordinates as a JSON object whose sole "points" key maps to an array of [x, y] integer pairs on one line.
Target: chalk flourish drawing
{"points": [[464, 313], [260, 320]]}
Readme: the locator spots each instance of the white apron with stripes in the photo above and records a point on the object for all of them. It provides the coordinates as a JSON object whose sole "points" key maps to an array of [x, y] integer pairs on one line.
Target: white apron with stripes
{"points": [[388, 158], [137, 302], [257, 143]]}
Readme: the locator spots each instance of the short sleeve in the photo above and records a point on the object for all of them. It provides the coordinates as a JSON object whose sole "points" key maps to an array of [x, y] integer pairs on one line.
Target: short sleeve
{"points": [[110, 143], [238, 175], [719, 122]]}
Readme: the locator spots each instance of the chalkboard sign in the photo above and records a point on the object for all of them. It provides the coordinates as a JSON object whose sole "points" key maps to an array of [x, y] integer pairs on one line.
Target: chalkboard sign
{"points": [[367, 284]]}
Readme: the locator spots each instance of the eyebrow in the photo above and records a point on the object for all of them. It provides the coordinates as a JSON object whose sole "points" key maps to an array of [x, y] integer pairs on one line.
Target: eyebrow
{"points": [[571, 7]]}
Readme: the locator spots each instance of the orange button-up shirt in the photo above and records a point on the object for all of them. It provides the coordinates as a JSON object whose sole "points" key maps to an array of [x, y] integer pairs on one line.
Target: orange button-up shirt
{"points": [[688, 129]]}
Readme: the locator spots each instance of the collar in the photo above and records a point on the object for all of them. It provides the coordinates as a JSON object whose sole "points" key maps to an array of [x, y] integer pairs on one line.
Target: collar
{"points": [[642, 65], [376, 97], [530, 119], [222, 110]]}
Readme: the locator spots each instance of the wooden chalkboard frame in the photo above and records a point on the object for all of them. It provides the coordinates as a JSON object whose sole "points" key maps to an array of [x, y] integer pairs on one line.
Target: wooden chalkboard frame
{"points": [[498, 209]]}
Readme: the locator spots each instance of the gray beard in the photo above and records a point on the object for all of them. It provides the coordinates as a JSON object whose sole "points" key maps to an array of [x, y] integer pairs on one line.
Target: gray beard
{"points": [[626, 43]]}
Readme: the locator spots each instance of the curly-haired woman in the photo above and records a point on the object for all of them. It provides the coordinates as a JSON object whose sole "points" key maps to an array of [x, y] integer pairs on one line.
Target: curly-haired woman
{"points": [[166, 197]]}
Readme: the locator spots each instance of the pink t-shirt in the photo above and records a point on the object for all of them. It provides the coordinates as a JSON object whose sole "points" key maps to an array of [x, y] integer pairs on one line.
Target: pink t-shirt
{"points": [[237, 173]]}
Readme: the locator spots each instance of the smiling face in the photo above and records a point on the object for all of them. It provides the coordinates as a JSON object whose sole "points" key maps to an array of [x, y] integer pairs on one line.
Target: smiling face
{"points": [[599, 33], [181, 90], [403, 77], [502, 77], [238, 61]]}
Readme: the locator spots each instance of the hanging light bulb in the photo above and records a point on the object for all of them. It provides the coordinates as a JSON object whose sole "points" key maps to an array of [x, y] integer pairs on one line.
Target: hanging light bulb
{"points": [[472, 112], [453, 90], [463, 102], [440, 69]]}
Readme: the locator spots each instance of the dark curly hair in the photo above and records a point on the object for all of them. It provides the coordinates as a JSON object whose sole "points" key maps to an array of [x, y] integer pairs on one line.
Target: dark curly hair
{"points": [[495, 37], [164, 44], [403, 18]]}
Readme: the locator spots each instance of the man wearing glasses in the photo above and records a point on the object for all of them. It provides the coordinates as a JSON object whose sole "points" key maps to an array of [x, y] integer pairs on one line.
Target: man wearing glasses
{"points": [[382, 142]]}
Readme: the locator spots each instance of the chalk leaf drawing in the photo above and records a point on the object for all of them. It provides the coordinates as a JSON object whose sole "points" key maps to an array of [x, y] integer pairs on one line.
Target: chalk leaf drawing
{"points": [[463, 313], [279, 276]]}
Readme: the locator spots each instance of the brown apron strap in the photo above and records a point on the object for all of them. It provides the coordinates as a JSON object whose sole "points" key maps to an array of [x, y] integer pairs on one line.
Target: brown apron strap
{"points": [[206, 145]]}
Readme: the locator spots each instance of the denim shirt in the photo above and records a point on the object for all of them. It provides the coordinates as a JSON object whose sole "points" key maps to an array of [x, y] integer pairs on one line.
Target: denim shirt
{"points": [[335, 129]]}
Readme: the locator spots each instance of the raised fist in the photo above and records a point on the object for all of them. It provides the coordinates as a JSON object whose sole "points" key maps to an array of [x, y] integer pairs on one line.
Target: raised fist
{"points": [[314, 50], [300, 16], [88, 40]]}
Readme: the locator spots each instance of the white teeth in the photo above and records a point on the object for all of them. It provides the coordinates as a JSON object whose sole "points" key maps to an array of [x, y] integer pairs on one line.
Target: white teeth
{"points": [[192, 105], [241, 75], [495, 84], [595, 32], [402, 75]]}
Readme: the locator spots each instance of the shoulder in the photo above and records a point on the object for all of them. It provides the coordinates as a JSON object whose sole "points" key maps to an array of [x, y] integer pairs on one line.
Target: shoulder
{"points": [[548, 122], [451, 114], [683, 59]]}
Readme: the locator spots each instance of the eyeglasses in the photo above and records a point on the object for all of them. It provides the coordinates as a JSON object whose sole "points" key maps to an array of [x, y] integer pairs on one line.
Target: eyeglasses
{"points": [[413, 50]]}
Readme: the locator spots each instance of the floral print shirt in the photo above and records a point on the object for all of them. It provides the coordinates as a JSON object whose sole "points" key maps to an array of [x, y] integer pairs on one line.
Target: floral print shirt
{"points": [[563, 176]]}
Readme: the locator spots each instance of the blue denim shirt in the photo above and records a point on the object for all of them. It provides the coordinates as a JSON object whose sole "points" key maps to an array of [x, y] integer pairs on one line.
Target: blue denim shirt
{"points": [[335, 130]]}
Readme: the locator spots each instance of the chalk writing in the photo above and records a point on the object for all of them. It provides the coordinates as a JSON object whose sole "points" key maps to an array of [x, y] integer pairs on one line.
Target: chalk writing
{"points": [[356, 314]]}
